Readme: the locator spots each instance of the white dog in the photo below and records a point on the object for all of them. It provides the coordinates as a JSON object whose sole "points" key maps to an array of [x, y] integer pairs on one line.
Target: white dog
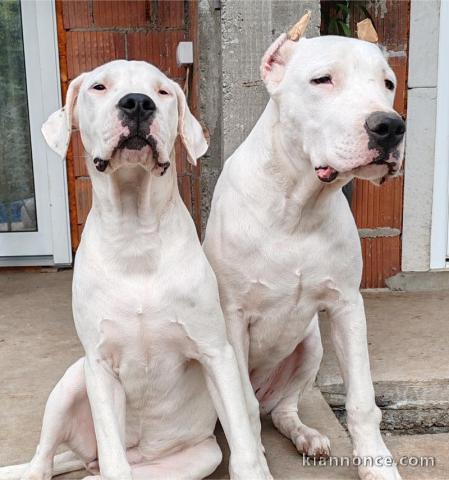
{"points": [[145, 301], [282, 240]]}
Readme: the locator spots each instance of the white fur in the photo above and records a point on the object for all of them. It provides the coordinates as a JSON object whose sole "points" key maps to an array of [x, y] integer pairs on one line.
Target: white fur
{"points": [[285, 246], [142, 403]]}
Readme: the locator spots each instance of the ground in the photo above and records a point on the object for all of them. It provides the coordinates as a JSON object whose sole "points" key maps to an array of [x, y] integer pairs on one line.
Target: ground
{"points": [[408, 345]]}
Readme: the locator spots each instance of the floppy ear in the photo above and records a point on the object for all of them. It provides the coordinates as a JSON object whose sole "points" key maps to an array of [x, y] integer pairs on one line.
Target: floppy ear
{"points": [[58, 128], [276, 58], [189, 129]]}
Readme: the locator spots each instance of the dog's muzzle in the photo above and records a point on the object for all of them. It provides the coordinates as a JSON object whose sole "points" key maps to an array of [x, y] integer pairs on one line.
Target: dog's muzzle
{"points": [[136, 113], [385, 131]]}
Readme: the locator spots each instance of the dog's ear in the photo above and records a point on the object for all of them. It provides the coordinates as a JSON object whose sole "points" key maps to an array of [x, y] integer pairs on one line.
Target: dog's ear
{"points": [[58, 128], [275, 61], [189, 129], [276, 58]]}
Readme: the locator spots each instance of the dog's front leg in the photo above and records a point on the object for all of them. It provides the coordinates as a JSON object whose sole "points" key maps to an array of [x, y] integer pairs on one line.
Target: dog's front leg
{"points": [[225, 387], [108, 404], [348, 325], [238, 335]]}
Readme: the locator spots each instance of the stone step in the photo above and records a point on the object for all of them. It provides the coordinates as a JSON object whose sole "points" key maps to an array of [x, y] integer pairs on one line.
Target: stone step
{"points": [[283, 458], [425, 457], [409, 352]]}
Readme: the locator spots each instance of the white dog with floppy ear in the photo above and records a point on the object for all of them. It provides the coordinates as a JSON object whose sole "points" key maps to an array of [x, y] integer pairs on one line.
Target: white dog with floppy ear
{"points": [[282, 240], [142, 403], [57, 129]]}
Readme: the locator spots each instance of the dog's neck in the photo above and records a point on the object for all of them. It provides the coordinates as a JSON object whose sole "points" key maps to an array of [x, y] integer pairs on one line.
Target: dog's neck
{"points": [[131, 197], [282, 167]]}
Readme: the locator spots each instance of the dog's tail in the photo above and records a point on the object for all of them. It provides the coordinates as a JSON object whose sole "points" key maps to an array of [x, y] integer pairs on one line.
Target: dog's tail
{"points": [[63, 463]]}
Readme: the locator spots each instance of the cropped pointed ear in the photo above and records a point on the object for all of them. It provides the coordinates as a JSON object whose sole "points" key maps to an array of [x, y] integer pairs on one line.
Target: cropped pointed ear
{"points": [[276, 58], [58, 128], [189, 129]]}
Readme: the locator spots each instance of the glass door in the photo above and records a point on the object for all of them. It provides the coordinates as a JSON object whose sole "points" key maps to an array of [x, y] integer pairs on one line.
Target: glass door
{"points": [[34, 221]]}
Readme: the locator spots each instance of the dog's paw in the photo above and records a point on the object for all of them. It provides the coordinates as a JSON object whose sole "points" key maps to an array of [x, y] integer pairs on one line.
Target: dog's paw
{"points": [[379, 473], [312, 443]]}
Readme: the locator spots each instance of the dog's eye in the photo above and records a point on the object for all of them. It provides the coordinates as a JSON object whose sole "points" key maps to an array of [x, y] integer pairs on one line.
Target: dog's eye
{"points": [[163, 92], [99, 87], [389, 84], [320, 80]]}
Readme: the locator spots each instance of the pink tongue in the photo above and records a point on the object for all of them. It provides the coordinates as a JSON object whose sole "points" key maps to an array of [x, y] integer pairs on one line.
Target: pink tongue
{"points": [[325, 173]]}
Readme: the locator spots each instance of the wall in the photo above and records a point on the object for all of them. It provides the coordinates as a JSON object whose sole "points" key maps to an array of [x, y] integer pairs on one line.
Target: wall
{"points": [[419, 172], [234, 35], [211, 95], [248, 28]]}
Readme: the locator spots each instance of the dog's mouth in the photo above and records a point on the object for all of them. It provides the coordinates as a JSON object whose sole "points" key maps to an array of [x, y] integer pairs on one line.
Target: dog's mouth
{"points": [[133, 142], [326, 174], [136, 142], [130, 142]]}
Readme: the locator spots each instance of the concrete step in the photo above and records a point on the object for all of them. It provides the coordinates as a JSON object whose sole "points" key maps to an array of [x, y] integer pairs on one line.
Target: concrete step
{"points": [[422, 457], [282, 456], [409, 352]]}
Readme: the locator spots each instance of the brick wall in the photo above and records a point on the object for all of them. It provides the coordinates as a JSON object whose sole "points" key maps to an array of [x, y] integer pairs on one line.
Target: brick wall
{"points": [[92, 32]]}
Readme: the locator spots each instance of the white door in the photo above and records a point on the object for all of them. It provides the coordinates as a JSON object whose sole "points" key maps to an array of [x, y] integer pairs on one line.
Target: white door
{"points": [[34, 219]]}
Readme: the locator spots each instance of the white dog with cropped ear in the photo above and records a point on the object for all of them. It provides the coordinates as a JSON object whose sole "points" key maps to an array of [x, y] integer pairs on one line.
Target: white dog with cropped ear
{"points": [[142, 403], [282, 240]]}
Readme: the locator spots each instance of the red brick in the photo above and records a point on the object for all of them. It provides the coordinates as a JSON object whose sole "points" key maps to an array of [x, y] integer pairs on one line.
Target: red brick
{"points": [[170, 13], [119, 14], [79, 161], [182, 164], [381, 259], [83, 188], [75, 14], [378, 206], [185, 189], [87, 50], [158, 48]]}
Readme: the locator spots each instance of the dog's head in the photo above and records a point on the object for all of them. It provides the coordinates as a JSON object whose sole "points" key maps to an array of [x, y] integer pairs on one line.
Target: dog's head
{"points": [[335, 98], [128, 112]]}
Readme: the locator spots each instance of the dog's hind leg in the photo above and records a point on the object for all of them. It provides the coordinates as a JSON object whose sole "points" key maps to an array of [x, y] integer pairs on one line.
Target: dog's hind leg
{"points": [[62, 463], [281, 394], [67, 419], [192, 463]]}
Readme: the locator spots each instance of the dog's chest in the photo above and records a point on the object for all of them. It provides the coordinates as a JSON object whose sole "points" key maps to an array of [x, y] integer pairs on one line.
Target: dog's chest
{"points": [[282, 297], [139, 337]]}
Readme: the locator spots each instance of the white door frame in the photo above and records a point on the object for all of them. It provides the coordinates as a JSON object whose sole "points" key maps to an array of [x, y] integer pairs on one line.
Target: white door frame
{"points": [[44, 97], [439, 247]]}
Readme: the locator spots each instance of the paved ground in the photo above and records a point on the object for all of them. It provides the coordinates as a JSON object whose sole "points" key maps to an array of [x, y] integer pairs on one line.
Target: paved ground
{"points": [[38, 342]]}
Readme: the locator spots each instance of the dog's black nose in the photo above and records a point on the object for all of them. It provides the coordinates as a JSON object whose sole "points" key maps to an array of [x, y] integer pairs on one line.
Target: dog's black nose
{"points": [[137, 106], [386, 129]]}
